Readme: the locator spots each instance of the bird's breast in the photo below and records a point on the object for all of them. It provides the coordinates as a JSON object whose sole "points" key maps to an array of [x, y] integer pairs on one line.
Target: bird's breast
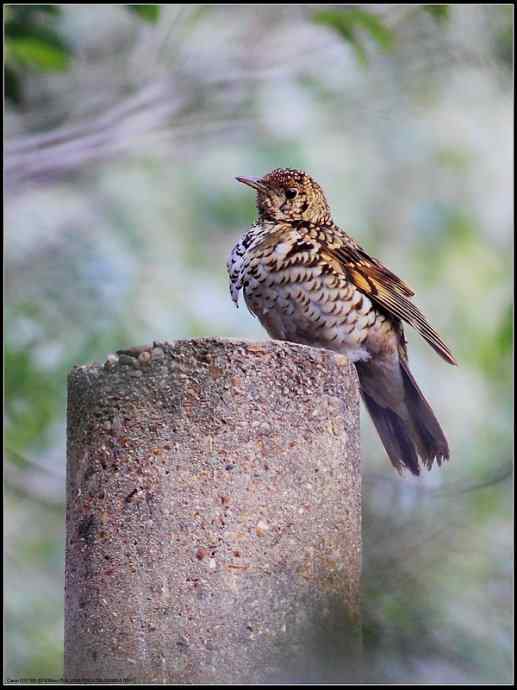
{"points": [[298, 296]]}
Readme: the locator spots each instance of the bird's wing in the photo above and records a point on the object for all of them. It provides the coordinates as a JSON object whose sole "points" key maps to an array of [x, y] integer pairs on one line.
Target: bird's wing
{"points": [[386, 290]]}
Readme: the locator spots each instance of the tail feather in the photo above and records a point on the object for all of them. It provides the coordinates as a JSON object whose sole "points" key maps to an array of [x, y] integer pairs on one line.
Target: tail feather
{"points": [[411, 431], [395, 435], [429, 436]]}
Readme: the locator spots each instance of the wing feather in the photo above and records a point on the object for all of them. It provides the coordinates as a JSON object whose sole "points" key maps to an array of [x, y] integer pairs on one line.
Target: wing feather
{"points": [[386, 290], [354, 253]]}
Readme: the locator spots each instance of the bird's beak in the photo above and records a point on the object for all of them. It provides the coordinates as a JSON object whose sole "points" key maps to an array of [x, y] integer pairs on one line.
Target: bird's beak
{"points": [[254, 182]]}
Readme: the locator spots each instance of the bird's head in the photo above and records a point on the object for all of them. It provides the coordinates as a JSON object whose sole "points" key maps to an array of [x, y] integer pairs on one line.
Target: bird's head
{"points": [[289, 195]]}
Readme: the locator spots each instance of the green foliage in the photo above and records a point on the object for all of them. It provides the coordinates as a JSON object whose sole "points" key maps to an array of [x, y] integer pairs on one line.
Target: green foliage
{"points": [[32, 43], [349, 22], [149, 13], [438, 12], [452, 237], [38, 53], [493, 351], [34, 614], [33, 397], [503, 39]]}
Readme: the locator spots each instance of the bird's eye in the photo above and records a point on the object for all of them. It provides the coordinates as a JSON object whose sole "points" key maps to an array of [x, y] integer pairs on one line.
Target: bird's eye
{"points": [[291, 193]]}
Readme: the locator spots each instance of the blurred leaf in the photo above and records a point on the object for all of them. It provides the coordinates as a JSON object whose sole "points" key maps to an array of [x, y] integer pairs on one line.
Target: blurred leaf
{"points": [[346, 22], [439, 12], [150, 13], [26, 12], [196, 13], [493, 351], [37, 53], [503, 39], [48, 9], [33, 398], [18, 29], [32, 43], [12, 87], [374, 26], [505, 332]]}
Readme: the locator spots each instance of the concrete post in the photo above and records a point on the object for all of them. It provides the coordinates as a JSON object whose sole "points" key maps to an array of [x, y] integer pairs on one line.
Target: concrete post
{"points": [[213, 515]]}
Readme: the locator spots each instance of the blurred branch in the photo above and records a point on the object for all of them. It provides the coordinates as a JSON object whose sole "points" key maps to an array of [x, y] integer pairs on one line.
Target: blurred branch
{"points": [[34, 157], [26, 463], [461, 486], [17, 483]]}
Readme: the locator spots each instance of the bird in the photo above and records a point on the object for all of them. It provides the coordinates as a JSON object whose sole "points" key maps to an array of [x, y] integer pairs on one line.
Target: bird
{"points": [[311, 283]]}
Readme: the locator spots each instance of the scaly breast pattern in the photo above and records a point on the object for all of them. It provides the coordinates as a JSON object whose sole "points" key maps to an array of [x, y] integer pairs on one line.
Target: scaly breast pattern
{"points": [[298, 294]]}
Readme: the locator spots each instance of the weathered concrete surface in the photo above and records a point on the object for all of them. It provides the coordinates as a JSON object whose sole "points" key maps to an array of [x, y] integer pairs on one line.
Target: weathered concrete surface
{"points": [[213, 515]]}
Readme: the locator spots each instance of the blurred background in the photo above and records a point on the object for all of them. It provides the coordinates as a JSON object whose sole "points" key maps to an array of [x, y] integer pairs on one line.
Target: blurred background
{"points": [[124, 129]]}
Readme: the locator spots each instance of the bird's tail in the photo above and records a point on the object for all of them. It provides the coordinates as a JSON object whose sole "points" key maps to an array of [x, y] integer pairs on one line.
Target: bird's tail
{"points": [[408, 430]]}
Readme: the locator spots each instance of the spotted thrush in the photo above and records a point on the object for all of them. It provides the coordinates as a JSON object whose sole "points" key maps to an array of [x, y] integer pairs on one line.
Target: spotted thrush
{"points": [[309, 282]]}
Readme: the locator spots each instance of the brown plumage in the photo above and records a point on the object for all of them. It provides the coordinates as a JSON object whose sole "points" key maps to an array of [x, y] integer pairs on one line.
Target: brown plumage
{"points": [[309, 282]]}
